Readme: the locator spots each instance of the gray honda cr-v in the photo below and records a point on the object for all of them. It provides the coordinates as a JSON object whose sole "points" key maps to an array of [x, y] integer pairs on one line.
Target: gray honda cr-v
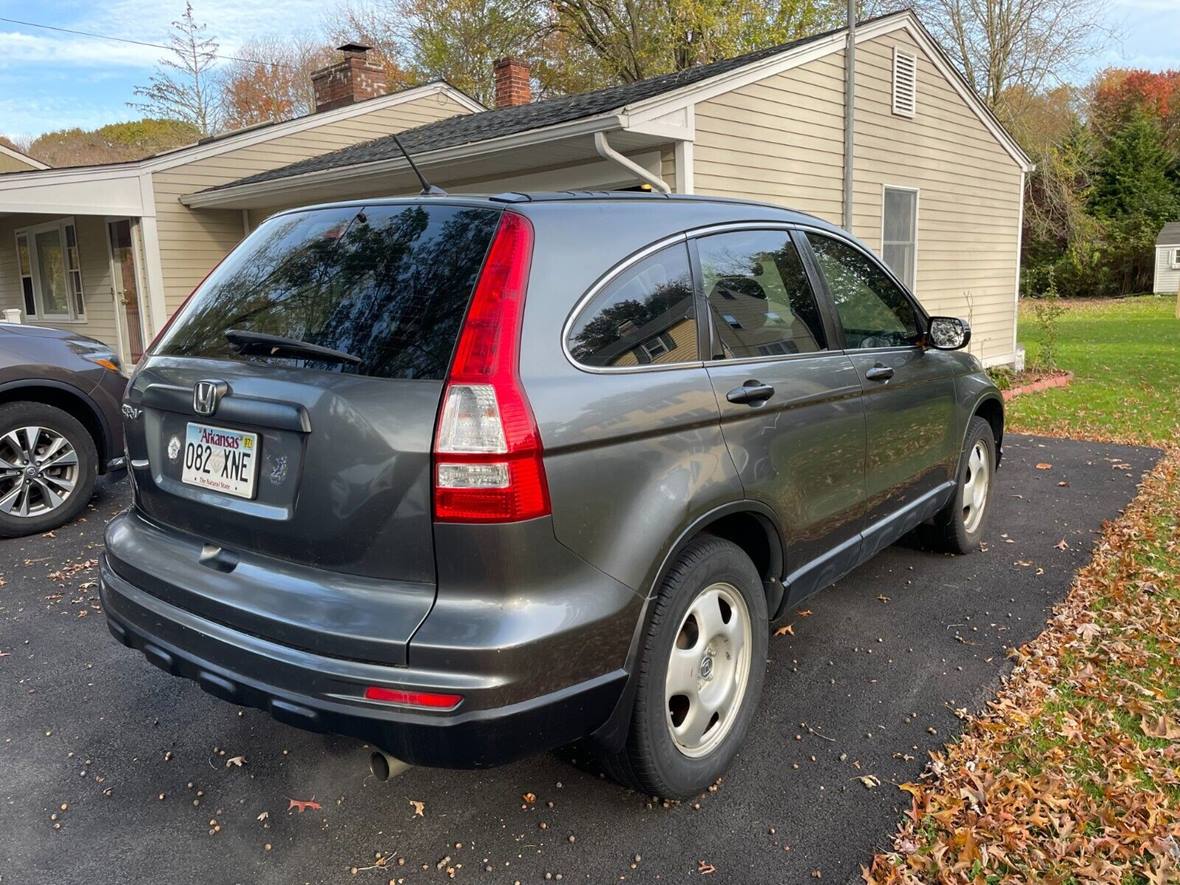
{"points": [[471, 478]]}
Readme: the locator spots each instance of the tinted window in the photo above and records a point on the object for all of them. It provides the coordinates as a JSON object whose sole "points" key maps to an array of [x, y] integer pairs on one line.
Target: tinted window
{"points": [[388, 284], [759, 297], [644, 315], [873, 310]]}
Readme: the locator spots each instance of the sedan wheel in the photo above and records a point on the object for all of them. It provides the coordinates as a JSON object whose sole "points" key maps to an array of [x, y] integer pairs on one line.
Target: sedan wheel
{"points": [[38, 471]]}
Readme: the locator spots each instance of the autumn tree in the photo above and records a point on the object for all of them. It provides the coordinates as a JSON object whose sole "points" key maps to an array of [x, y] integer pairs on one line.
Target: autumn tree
{"points": [[270, 80], [183, 88], [635, 39], [113, 143], [1002, 44], [455, 40]]}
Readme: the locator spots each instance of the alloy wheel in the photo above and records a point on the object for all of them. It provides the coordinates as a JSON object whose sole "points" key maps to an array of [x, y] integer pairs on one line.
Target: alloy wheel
{"points": [[38, 471], [975, 486], [708, 670]]}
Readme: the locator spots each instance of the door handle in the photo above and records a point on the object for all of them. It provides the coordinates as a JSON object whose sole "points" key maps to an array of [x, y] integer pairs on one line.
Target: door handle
{"points": [[751, 393], [879, 373]]}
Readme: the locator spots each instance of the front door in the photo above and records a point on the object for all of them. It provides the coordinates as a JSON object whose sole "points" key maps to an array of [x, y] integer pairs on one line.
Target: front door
{"points": [[125, 286], [909, 391], [790, 402]]}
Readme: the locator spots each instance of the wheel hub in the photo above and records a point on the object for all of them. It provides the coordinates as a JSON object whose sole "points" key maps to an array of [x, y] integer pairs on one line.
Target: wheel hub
{"points": [[39, 469], [708, 669]]}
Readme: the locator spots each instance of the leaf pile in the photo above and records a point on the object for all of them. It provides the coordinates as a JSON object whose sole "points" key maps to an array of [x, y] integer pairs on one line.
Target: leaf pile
{"points": [[1073, 773]]}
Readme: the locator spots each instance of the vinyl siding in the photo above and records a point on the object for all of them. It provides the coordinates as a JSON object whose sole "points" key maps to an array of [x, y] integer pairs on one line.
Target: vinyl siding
{"points": [[781, 139], [193, 240], [100, 319], [14, 164], [1167, 278]]}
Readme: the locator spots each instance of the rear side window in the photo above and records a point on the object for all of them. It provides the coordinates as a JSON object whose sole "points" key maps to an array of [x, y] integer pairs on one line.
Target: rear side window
{"points": [[759, 296], [646, 315], [387, 284]]}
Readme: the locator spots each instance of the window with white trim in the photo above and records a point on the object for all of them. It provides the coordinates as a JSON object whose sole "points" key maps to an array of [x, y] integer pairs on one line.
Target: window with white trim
{"points": [[899, 232], [50, 271], [905, 82], [1176, 258]]}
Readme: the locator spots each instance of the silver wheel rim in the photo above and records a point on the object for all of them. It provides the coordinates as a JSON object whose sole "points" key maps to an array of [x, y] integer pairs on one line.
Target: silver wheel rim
{"points": [[708, 670], [975, 486], [38, 471]]}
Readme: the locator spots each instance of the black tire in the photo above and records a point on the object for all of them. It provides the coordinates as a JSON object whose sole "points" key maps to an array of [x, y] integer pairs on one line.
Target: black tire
{"points": [[29, 414], [950, 530], [651, 761]]}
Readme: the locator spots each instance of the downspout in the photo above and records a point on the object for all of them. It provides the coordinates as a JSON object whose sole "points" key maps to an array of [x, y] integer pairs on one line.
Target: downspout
{"points": [[849, 111], [609, 153]]}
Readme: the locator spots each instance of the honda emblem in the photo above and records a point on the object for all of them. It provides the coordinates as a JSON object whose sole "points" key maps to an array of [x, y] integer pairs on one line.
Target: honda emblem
{"points": [[206, 395]]}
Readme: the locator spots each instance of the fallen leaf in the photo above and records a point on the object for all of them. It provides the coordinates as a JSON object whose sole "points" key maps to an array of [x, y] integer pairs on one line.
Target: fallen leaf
{"points": [[869, 780], [1163, 727], [705, 868], [785, 630], [235, 760], [883, 598], [302, 805], [265, 815], [1063, 484], [1044, 465], [419, 808], [528, 798], [1062, 545], [806, 613], [1088, 631]]}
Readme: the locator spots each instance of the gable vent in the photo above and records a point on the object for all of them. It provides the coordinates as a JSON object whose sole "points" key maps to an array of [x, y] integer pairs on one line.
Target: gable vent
{"points": [[905, 82]]}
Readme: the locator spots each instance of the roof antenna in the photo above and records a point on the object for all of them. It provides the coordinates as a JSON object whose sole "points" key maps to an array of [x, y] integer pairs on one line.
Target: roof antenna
{"points": [[428, 189]]}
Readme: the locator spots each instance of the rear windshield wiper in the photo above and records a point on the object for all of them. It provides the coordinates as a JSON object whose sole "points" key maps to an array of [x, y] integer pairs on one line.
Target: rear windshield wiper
{"points": [[278, 345]]}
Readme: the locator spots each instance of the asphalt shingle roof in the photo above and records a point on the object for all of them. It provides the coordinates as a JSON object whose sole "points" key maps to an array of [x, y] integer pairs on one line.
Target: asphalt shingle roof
{"points": [[1170, 235], [469, 128]]}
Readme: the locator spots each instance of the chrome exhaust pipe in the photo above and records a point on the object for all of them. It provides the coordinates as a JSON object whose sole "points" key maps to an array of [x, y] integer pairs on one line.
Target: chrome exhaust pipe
{"points": [[385, 766]]}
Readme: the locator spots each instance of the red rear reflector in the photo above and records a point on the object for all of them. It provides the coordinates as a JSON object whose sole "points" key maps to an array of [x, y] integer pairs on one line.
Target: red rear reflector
{"points": [[488, 463], [430, 699]]}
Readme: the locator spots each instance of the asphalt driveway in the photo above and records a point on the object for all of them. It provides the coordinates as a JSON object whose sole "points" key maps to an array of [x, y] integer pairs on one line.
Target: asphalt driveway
{"points": [[112, 771]]}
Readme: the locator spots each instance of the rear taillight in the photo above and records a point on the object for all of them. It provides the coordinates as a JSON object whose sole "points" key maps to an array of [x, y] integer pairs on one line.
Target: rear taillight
{"points": [[488, 463]]}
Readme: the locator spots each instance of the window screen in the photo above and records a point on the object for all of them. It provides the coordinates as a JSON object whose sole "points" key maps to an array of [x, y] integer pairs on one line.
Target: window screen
{"points": [[644, 316], [759, 296], [899, 228], [388, 284]]}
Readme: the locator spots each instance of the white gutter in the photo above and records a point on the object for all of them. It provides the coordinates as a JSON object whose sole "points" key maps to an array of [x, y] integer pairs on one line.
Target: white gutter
{"points": [[609, 153]]}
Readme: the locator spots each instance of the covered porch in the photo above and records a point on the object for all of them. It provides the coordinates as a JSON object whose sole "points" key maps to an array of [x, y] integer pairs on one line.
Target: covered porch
{"points": [[72, 255]]}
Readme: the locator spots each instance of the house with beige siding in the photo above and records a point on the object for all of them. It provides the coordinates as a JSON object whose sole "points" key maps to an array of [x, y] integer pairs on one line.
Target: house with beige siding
{"points": [[916, 167]]}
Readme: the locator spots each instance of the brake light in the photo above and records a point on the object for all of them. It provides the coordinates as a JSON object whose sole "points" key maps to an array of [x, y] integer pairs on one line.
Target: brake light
{"points": [[488, 463]]}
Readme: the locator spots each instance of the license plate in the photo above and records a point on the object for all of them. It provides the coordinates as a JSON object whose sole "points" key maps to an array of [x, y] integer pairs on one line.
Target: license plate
{"points": [[220, 459]]}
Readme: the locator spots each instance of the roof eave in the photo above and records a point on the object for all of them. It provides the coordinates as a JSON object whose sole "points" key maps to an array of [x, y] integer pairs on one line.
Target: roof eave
{"points": [[220, 197]]}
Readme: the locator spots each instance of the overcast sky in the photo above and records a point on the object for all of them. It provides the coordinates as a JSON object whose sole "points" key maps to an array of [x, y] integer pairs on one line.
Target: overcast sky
{"points": [[50, 80]]}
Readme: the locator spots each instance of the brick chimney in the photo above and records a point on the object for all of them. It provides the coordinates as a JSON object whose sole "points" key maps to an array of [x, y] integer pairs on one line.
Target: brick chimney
{"points": [[512, 82], [348, 81]]}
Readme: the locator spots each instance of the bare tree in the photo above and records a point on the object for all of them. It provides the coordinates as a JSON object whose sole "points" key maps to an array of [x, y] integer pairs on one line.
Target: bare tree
{"points": [[270, 80], [182, 87], [1003, 44]]}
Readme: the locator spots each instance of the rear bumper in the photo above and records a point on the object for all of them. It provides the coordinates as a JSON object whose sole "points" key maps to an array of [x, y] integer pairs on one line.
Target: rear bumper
{"points": [[319, 693]]}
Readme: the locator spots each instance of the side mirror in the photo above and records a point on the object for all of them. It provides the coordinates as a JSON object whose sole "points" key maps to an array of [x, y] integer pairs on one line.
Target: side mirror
{"points": [[948, 333]]}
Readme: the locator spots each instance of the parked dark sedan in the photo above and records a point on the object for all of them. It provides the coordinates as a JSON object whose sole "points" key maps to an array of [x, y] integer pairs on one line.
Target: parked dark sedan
{"points": [[60, 427]]}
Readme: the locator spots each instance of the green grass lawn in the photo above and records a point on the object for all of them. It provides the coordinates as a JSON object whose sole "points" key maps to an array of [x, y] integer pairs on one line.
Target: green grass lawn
{"points": [[1125, 356]]}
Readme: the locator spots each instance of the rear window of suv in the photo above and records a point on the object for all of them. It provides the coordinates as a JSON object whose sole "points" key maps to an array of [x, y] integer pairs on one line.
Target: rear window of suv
{"points": [[387, 284]]}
